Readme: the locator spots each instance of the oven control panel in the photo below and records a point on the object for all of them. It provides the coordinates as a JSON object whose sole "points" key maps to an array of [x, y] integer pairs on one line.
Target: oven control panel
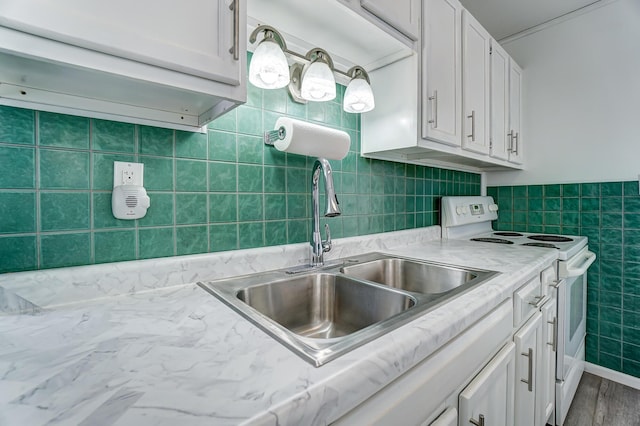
{"points": [[458, 211]]}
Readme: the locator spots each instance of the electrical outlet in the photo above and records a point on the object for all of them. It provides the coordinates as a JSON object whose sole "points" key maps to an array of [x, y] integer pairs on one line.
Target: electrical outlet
{"points": [[128, 173]]}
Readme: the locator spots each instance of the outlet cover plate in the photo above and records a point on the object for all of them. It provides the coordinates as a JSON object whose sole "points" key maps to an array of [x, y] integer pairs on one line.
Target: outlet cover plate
{"points": [[125, 173]]}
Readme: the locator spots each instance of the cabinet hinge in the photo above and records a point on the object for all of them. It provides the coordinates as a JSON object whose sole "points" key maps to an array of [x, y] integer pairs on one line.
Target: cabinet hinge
{"points": [[490, 144], [490, 50]]}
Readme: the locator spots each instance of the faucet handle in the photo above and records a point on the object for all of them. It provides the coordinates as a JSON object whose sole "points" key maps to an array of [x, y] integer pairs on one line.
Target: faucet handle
{"points": [[326, 245]]}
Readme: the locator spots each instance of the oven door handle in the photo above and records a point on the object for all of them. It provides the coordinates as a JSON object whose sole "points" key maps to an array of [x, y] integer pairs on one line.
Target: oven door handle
{"points": [[589, 258]]}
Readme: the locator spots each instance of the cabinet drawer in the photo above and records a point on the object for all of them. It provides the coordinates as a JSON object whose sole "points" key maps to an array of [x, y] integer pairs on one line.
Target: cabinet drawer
{"points": [[526, 300]]}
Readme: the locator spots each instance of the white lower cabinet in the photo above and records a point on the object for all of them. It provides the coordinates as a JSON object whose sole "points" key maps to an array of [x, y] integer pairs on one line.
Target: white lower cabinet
{"points": [[488, 399], [448, 418], [527, 340]]}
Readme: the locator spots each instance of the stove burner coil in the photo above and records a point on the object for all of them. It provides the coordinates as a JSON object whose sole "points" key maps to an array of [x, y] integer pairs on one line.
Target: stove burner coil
{"points": [[508, 234], [550, 238], [547, 245], [492, 240]]}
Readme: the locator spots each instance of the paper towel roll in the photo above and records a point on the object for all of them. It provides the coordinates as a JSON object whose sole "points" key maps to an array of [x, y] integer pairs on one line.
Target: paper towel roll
{"points": [[312, 139]]}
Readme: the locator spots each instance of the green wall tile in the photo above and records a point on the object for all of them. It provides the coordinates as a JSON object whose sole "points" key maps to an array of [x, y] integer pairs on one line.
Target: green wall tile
{"points": [[223, 237], [65, 131], [250, 207], [223, 207], [222, 146], [191, 175], [156, 141], [223, 177], [191, 145], [103, 215], [18, 254], [275, 100], [571, 190], [250, 149], [191, 209], [225, 122], [249, 121], [251, 234], [18, 167], [160, 212], [63, 211], [17, 212], [155, 242], [158, 173], [64, 169], [17, 125], [114, 246], [65, 250], [276, 233], [275, 206], [113, 136], [249, 178], [192, 240]]}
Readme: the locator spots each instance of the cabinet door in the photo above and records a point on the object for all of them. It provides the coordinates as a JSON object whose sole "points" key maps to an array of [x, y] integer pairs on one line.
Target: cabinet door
{"points": [[515, 111], [545, 404], [442, 79], [490, 393], [191, 36], [403, 15], [526, 340], [500, 137], [476, 43]]}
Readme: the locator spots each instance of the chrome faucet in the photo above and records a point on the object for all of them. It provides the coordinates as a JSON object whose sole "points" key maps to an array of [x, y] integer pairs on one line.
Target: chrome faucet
{"points": [[319, 247]]}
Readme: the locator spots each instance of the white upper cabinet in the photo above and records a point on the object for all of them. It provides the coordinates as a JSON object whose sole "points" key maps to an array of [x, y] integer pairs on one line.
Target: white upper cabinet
{"points": [[442, 68], [404, 15], [506, 110], [515, 112], [177, 64], [476, 43]]}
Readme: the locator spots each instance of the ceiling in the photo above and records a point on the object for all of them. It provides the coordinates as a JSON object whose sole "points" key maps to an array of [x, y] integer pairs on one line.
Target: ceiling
{"points": [[503, 18]]}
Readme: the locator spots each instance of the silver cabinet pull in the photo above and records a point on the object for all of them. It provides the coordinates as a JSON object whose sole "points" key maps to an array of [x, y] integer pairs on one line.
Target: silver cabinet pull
{"points": [[554, 339], [434, 99], [473, 126], [510, 136], [556, 283], [515, 139], [537, 301], [529, 380], [235, 49], [479, 422]]}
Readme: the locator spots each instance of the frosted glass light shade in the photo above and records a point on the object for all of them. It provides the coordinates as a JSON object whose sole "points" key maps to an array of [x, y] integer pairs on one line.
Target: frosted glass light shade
{"points": [[269, 68], [358, 97], [318, 83]]}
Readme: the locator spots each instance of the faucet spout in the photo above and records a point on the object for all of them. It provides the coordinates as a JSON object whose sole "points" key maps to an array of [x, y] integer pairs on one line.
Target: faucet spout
{"points": [[319, 247]]}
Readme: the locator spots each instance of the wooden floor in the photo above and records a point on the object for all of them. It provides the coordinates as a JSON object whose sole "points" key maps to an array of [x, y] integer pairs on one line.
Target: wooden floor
{"points": [[601, 402]]}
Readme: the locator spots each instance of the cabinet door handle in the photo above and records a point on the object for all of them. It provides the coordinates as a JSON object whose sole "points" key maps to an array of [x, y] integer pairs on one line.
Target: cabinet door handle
{"points": [[434, 114], [479, 422], [529, 380], [515, 139], [554, 341], [235, 49], [473, 126]]}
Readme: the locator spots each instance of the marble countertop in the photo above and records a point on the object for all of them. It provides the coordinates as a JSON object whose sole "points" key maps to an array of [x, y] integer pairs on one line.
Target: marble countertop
{"points": [[177, 355]]}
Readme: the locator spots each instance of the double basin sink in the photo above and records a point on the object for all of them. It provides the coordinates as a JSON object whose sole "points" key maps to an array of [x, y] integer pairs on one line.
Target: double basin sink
{"points": [[325, 312]]}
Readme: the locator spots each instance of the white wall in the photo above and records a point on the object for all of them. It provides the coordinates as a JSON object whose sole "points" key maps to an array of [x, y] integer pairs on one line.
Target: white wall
{"points": [[581, 111]]}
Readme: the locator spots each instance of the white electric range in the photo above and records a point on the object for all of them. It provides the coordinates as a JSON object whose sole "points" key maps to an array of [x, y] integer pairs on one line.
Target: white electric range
{"points": [[469, 218]]}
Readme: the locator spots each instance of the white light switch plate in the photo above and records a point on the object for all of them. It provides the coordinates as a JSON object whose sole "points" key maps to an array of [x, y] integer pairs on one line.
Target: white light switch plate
{"points": [[128, 173]]}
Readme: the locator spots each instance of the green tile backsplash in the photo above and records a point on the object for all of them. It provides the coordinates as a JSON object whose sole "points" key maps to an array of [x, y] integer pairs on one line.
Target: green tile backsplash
{"points": [[609, 214], [213, 191]]}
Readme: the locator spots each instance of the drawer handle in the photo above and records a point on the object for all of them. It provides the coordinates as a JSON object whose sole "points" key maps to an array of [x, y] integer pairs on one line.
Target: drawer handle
{"points": [[529, 380], [537, 301], [479, 422], [554, 341]]}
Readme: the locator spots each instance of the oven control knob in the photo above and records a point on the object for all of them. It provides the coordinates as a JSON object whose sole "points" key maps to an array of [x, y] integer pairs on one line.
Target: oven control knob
{"points": [[459, 210], [465, 209], [493, 207]]}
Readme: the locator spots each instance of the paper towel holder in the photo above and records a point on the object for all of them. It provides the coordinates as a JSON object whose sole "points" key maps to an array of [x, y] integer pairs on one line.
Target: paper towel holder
{"points": [[270, 137]]}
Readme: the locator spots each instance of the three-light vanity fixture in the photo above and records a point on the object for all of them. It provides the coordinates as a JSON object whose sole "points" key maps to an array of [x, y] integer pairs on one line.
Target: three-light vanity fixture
{"points": [[314, 81]]}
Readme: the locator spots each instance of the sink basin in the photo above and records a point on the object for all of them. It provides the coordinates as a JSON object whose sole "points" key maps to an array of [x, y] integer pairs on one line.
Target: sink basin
{"points": [[414, 276], [324, 305], [325, 312]]}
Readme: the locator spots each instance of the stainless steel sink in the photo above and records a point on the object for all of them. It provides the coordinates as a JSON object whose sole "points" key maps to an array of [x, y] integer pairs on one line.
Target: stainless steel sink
{"points": [[324, 305], [414, 276], [325, 312]]}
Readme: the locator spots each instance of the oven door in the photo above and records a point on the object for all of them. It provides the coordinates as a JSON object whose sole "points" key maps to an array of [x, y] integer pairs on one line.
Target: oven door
{"points": [[572, 322]]}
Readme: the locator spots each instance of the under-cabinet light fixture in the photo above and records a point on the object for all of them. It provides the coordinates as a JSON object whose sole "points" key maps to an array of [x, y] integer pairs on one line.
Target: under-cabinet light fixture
{"points": [[310, 77]]}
